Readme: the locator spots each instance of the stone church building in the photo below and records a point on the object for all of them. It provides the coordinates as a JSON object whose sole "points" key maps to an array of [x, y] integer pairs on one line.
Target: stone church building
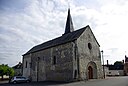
{"points": [[73, 56]]}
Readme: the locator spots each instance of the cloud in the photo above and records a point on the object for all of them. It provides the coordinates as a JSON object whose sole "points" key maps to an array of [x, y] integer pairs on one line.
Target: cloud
{"points": [[34, 23], [26, 23]]}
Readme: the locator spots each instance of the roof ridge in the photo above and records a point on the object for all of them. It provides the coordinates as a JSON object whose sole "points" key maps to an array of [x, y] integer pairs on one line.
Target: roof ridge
{"points": [[57, 41]]}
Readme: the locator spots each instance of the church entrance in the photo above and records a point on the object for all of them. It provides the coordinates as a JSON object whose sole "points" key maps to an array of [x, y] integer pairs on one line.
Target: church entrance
{"points": [[91, 70]]}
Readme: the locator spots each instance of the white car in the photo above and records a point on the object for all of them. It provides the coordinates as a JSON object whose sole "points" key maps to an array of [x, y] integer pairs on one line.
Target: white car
{"points": [[18, 79]]}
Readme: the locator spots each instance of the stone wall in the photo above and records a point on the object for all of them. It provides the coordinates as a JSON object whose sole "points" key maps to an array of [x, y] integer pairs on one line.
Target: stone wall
{"points": [[26, 65], [88, 50], [44, 69]]}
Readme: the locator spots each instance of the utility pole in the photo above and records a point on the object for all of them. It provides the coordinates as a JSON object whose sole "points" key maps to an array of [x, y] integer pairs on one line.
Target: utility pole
{"points": [[103, 63]]}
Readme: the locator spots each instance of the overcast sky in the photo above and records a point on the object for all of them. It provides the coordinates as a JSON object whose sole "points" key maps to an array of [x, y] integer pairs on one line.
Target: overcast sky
{"points": [[26, 23]]}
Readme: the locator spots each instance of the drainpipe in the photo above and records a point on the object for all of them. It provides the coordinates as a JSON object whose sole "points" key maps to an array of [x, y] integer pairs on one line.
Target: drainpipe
{"points": [[103, 63]]}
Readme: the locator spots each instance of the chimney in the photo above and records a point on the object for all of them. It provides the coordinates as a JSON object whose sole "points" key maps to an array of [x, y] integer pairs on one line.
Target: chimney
{"points": [[107, 62]]}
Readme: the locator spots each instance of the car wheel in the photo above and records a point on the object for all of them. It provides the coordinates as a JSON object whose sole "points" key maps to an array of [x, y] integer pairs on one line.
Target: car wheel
{"points": [[28, 81], [14, 82]]}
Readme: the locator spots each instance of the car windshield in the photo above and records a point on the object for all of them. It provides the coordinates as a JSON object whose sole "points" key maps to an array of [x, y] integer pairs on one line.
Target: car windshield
{"points": [[19, 77]]}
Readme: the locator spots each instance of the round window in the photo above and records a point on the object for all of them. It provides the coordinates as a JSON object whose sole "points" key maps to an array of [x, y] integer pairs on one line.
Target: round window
{"points": [[89, 46]]}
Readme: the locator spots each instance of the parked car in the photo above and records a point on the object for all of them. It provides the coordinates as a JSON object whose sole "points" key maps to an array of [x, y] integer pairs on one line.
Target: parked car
{"points": [[19, 79]]}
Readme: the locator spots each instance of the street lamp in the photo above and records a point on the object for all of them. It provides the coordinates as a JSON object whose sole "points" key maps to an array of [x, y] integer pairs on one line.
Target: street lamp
{"points": [[103, 63]]}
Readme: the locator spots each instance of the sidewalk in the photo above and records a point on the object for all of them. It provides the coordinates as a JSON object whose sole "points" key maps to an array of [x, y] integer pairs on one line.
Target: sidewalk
{"points": [[5, 81]]}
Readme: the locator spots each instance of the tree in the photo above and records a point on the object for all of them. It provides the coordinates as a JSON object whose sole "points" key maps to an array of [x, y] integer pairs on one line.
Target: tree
{"points": [[2, 70], [117, 63], [10, 72], [6, 70]]}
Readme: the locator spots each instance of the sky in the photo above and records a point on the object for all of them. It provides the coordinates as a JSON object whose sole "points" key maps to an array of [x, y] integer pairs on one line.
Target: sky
{"points": [[26, 23]]}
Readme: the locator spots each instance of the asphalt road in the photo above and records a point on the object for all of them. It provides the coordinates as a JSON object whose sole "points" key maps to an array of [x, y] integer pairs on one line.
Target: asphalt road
{"points": [[112, 81]]}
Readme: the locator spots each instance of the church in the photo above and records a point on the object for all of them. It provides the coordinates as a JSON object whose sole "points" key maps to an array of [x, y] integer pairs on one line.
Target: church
{"points": [[71, 57]]}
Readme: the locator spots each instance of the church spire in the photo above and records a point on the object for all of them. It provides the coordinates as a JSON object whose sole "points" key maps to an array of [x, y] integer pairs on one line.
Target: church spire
{"points": [[69, 25]]}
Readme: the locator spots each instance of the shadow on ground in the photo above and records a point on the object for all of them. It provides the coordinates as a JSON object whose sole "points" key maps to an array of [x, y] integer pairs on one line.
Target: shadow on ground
{"points": [[45, 83]]}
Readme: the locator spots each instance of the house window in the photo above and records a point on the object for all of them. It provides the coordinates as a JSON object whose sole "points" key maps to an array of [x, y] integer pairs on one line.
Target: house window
{"points": [[54, 60], [26, 64]]}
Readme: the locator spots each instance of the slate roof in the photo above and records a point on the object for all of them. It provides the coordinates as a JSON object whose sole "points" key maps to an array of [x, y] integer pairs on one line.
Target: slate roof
{"points": [[18, 66], [65, 38], [115, 67]]}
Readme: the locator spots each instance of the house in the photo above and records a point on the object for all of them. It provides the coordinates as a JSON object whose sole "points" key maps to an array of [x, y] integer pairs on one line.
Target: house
{"points": [[18, 69], [73, 56], [114, 70]]}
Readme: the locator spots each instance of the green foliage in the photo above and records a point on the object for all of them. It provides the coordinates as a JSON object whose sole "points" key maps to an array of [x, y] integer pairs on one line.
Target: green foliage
{"points": [[10, 72], [6, 70], [118, 63], [3, 69]]}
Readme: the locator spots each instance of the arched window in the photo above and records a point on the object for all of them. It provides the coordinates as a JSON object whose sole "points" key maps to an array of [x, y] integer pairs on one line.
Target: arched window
{"points": [[26, 64], [89, 46], [54, 60]]}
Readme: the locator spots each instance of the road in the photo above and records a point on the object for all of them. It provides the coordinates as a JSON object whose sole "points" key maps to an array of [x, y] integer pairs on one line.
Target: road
{"points": [[112, 81]]}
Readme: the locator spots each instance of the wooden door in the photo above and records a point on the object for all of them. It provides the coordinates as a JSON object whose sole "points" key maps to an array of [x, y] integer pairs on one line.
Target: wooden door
{"points": [[90, 72]]}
